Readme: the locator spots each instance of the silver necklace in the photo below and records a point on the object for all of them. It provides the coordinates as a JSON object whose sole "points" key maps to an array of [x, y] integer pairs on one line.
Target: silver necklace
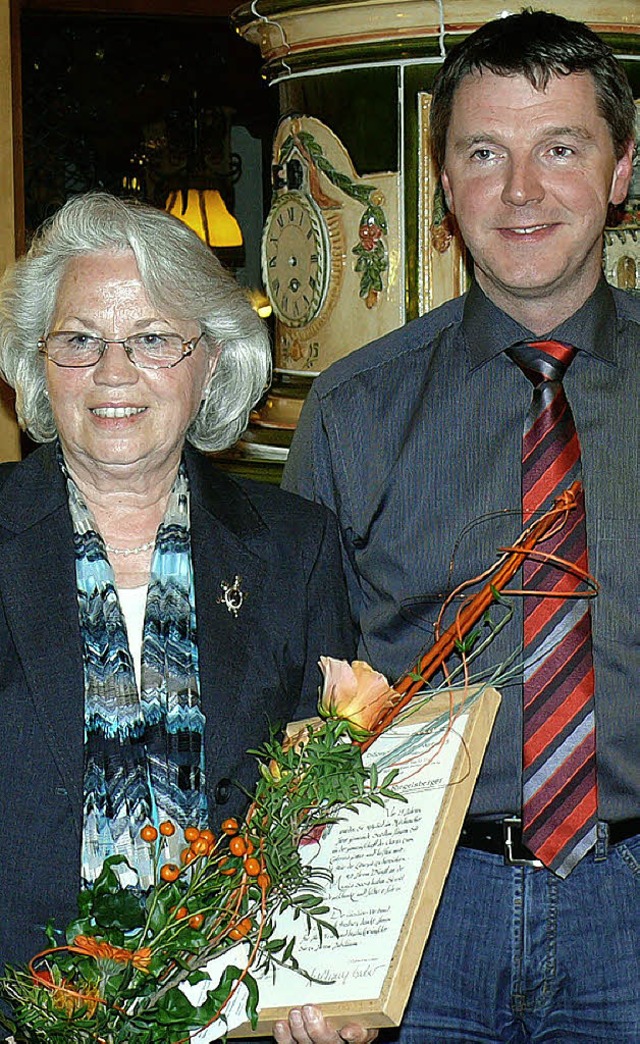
{"points": [[126, 551]]}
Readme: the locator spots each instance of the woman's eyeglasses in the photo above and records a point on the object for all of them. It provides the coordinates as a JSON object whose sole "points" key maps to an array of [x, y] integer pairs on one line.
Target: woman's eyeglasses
{"points": [[148, 351]]}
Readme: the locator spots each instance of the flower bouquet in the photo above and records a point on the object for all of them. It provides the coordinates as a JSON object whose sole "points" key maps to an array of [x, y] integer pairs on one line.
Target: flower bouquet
{"points": [[115, 974]]}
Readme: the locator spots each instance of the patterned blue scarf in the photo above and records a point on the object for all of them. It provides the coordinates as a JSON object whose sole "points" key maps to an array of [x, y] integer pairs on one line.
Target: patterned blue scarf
{"points": [[144, 751]]}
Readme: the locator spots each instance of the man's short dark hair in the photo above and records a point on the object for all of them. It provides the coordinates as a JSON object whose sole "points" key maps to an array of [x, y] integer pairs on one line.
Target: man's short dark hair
{"points": [[537, 45]]}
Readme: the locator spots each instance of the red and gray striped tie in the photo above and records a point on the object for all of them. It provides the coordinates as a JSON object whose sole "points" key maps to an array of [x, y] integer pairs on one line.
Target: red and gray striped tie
{"points": [[559, 762]]}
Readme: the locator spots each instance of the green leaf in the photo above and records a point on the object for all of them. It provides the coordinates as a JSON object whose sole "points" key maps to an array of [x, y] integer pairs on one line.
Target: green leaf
{"points": [[252, 1000], [323, 164], [310, 143], [107, 881], [285, 149], [196, 977], [120, 910], [379, 217]]}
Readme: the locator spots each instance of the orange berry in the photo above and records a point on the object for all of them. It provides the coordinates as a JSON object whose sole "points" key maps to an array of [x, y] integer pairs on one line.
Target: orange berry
{"points": [[200, 846], [148, 833], [207, 835], [240, 930], [181, 913], [167, 828], [191, 833], [264, 880], [169, 872], [252, 866], [187, 856], [237, 846], [196, 920], [230, 826]]}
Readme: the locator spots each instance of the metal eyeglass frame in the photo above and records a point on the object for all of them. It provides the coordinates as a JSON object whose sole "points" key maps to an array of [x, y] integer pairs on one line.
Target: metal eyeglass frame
{"points": [[188, 348]]}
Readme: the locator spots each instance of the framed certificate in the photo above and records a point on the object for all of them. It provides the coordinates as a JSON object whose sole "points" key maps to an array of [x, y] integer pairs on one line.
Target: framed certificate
{"points": [[388, 866]]}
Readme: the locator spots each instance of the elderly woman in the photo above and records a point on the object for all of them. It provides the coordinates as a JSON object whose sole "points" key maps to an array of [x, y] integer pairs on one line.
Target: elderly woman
{"points": [[155, 614]]}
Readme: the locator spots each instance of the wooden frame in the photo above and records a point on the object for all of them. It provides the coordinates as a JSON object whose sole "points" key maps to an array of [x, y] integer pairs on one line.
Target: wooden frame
{"points": [[9, 176]]}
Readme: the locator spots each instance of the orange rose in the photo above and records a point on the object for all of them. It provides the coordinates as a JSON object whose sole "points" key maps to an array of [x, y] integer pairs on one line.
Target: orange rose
{"points": [[354, 693]]}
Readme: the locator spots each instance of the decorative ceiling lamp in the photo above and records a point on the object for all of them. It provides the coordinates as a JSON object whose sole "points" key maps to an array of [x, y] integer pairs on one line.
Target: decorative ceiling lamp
{"points": [[205, 211], [202, 194]]}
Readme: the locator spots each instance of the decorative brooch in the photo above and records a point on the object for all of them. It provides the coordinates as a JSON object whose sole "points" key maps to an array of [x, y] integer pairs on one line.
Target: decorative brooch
{"points": [[232, 595]]}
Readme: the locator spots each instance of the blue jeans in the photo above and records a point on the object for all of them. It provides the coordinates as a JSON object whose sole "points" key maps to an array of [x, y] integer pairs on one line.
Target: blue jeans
{"points": [[518, 956]]}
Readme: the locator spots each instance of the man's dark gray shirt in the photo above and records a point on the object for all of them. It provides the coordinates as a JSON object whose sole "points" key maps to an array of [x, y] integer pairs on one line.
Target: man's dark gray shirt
{"points": [[415, 443]]}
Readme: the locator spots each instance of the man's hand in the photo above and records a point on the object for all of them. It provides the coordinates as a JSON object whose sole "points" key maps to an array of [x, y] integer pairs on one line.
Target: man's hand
{"points": [[307, 1025]]}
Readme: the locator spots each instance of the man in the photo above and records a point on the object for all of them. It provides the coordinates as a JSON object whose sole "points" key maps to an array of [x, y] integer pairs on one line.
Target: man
{"points": [[416, 442]]}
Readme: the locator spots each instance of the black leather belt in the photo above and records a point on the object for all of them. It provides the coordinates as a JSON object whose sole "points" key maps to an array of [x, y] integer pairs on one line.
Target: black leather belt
{"points": [[504, 837]]}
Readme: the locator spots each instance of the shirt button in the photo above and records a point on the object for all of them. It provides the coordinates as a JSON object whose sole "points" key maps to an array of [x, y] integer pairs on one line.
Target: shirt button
{"points": [[222, 793]]}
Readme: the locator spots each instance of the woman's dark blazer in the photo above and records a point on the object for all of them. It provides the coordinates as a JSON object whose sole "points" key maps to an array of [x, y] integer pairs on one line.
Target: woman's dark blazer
{"points": [[253, 668]]}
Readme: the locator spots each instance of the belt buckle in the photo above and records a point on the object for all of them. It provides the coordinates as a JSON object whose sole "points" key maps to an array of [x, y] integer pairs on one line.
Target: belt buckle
{"points": [[509, 824]]}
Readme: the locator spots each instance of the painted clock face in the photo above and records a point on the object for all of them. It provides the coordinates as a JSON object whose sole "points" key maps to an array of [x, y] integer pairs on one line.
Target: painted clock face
{"points": [[296, 258]]}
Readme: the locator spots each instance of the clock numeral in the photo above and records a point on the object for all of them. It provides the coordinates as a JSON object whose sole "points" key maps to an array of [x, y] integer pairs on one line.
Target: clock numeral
{"points": [[272, 261], [291, 213], [313, 258], [280, 220]]}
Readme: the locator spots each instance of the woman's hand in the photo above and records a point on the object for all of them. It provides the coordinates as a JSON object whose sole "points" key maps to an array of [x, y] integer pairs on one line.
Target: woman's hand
{"points": [[307, 1025]]}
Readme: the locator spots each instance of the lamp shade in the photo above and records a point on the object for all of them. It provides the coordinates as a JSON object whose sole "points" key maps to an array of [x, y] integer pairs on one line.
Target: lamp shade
{"points": [[205, 211]]}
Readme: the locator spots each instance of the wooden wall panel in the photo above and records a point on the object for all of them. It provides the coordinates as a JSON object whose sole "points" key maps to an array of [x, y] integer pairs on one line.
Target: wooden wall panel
{"points": [[9, 434]]}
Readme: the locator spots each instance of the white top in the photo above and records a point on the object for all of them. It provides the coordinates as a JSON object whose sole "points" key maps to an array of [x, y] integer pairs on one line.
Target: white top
{"points": [[133, 602]]}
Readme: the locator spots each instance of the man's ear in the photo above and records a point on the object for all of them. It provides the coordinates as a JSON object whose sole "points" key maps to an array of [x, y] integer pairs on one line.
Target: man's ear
{"points": [[446, 188], [622, 176]]}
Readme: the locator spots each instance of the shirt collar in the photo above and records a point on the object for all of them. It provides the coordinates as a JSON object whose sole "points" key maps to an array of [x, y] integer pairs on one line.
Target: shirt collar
{"points": [[488, 330]]}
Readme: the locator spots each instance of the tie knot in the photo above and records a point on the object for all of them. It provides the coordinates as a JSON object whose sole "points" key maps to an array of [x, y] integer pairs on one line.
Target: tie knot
{"points": [[542, 361]]}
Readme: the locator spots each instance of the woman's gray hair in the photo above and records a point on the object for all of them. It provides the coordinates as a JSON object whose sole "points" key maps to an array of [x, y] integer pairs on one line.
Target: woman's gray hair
{"points": [[182, 278]]}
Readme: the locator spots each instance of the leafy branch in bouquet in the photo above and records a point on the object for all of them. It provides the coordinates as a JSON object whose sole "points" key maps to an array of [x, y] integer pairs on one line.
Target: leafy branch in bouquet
{"points": [[115, 975], [309, 782]]}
